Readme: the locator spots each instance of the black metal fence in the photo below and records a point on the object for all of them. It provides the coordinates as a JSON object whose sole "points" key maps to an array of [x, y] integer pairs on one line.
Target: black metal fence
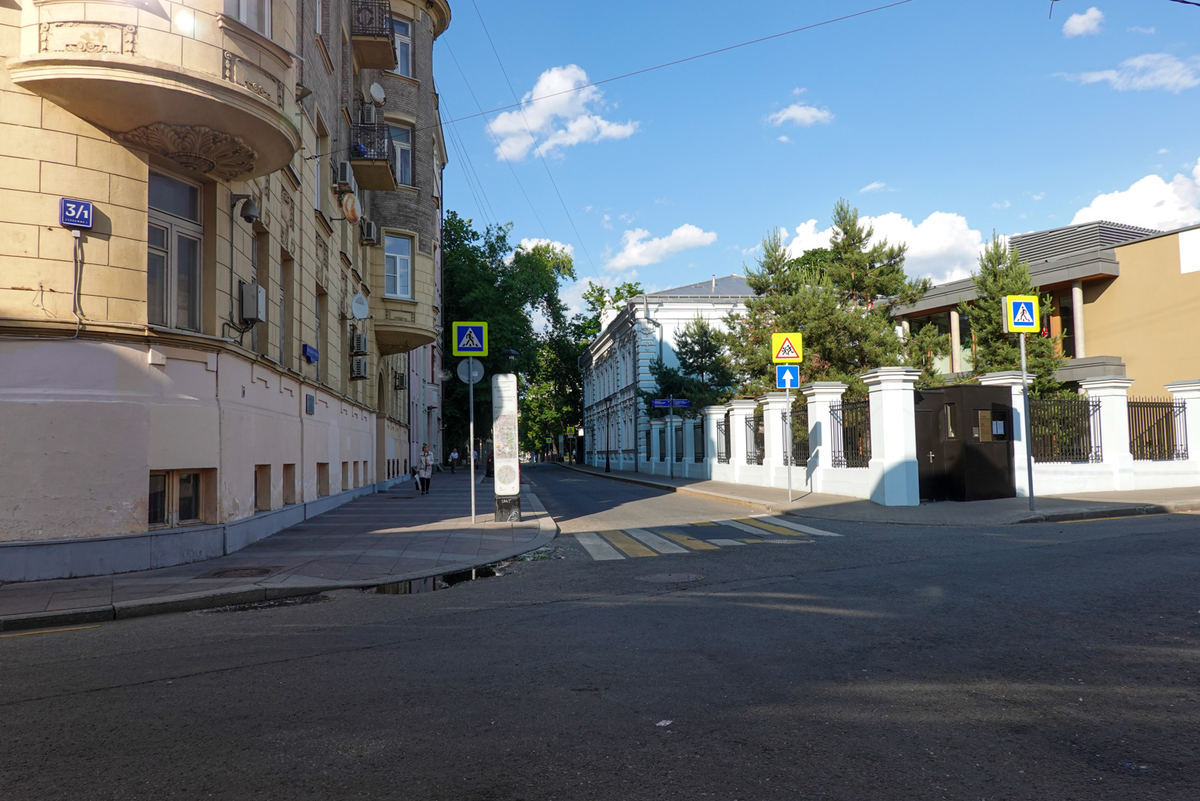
{"points": [[795, 424], [1065, 430], [723, 440], [1158, 429], [755, 440], [371, 18], [698, 440], [851, 440], [679, 443], [662, 444]]}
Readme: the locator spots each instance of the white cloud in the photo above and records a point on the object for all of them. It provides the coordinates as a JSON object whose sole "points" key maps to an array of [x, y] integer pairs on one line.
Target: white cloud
{"points": [[942, 247], [783, 139], [560, 121], [530, 243], [1150, 202], [1137, 29], [1150, 71], [801, 114], [874, 186], [1085, 24], [638, 251], [607, 221], [1003, 205], [1163, 151], [751, 251], [1037, 195]]}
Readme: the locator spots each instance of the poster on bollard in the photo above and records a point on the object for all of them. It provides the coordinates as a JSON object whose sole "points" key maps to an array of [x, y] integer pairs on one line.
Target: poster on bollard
{"points": [[504, 434]]}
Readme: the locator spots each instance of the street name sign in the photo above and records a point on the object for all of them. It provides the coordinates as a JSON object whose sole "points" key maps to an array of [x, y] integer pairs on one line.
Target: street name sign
{"points": [[1021, 314], [787, 376], [470, 339], [666, 403], [787, 348]]}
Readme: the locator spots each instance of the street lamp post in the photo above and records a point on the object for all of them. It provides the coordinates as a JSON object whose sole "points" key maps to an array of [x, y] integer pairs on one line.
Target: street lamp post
{"points": [[607, 432]]}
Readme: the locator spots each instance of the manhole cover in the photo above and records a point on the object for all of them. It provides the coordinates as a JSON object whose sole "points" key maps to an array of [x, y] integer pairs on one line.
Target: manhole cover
{"points": [[241, 572], [671, 578]]}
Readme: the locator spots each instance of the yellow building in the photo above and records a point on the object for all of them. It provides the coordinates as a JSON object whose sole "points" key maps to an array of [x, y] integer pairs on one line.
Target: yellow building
{"points": [[221, 348], [1124, 301]]}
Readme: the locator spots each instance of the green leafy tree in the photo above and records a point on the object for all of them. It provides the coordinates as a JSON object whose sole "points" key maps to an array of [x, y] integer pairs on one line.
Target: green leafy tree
{"points": [[703, 375], [598, 298], [1001, 272], [487, 279], [839, 299]]}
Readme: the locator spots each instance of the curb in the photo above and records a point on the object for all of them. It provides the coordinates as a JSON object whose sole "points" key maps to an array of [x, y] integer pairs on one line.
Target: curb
{"points": [[1067, 516], [190, 602]]}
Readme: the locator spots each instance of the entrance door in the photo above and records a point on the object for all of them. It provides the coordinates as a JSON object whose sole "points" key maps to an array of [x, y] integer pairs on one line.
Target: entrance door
{"points": [[931, 457], [988, 469]]}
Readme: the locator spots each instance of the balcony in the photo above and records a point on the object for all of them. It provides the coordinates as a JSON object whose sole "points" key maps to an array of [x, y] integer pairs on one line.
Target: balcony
{"points": [[371, 34], [220, 107], [400, 325], [372, 156]]}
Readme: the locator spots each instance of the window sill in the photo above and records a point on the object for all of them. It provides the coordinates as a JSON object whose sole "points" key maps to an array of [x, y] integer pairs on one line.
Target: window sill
{"points": [[412, 190], [399, 297]]}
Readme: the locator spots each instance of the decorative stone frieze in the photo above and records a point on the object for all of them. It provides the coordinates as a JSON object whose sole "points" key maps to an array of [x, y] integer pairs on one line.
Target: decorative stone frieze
{"points": [[195, 148], [241, 72], [87, 37]]}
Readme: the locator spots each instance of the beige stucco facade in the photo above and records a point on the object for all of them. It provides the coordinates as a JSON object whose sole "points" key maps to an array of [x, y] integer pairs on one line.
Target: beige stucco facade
{"points": [[101, 386]]}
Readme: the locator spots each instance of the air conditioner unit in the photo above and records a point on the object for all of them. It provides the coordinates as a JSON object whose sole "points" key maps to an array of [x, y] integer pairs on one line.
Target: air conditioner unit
{"points": [[359, 344], [359, 369], [253, 303], [369, 233], [400, 382], [345, 177], [369, 114]]}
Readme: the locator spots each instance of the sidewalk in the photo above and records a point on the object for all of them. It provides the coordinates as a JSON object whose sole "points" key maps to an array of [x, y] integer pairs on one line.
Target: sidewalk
{"points": [[1004, 511], [386, 538]]}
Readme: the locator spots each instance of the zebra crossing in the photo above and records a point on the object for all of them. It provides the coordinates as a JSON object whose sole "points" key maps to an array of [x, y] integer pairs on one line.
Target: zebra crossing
{"points": [[704, 535]]}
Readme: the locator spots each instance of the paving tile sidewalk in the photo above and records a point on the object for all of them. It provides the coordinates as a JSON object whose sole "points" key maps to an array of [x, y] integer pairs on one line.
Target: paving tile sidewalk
{"points": [[383, 538], [1003, 511]]}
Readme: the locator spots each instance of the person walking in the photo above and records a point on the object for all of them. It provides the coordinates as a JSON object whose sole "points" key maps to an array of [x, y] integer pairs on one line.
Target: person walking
{"points": [[453, 460], [425, 468]]}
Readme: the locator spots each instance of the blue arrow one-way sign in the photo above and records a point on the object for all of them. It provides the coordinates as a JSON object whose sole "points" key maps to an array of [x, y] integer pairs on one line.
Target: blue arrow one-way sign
{"points": [[787, 376]]}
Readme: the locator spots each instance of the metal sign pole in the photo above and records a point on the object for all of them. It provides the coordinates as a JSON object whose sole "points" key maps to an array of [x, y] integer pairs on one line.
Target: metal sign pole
{"points": [[671, 425], [1028, 425], [787, 436], [471, 418]]}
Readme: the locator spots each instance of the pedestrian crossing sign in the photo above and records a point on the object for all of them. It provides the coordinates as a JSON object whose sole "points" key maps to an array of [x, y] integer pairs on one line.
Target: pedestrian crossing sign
{"points": [[470, 339], [1021, 314], [787, 348]]}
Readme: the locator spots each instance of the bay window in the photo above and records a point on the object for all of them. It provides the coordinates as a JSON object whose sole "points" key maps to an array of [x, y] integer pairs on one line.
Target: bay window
{"points": [[397, 267]]}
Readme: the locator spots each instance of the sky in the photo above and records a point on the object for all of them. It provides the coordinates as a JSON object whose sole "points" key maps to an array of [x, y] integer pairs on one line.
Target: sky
{"points": [[941, 121]]}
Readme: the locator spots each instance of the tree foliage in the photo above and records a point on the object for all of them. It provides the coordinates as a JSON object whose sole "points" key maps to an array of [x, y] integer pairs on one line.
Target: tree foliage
{"points": [[487, 279], [703, 375], [1001, 272], [598, 299], [839, 299]]}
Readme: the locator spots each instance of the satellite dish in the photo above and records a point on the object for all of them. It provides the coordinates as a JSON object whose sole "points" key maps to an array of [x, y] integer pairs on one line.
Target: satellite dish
{"points": [[377, 95], [350, 208], [359, 308]]}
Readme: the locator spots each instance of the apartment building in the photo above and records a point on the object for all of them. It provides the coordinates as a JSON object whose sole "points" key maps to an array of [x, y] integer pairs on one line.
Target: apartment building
{"points": [[220, 270]]}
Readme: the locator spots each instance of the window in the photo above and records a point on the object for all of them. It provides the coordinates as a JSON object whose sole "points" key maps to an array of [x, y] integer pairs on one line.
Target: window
{"points": [[322, 478], [402, 142], [402, 28], [173, 240], [289, 484], [255, 14], [174, 498], [397, 267], [262, 487], [320, 17], [286, 298]]}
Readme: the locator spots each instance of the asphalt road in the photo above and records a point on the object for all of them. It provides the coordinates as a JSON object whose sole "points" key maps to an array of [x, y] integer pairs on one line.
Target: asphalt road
{"points": [[1026, 662]]}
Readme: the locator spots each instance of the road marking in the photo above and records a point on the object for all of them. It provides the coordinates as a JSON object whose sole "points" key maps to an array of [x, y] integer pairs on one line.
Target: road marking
{"points": [[702, 523], [654, 541], [816, 532], [600, 550], [787, 532], [754, 531], [627, 544], [694, 544], [724, 543], [48, 631]]}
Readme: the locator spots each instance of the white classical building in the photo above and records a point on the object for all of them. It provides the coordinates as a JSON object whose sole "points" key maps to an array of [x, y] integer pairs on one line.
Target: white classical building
{"points": [[617, 364]]}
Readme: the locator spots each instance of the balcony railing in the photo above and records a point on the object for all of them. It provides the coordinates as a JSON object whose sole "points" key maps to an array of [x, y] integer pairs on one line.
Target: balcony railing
{"points": [[372, 34], [373, 156]]}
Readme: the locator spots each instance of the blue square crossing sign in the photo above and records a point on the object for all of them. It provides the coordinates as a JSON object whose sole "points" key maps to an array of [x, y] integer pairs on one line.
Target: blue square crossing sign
{"points": [[470, 339], [1021, 314]]}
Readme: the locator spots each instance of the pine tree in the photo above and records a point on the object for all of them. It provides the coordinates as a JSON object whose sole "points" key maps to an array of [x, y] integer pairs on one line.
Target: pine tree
{"points": [[1001, 272]]}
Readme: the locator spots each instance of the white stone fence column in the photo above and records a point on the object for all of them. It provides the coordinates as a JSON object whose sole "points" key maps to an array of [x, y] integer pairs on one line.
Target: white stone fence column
{"points": [[893, 462], [775, 405], [1113, 394], [821, 395], [1189, 393]]}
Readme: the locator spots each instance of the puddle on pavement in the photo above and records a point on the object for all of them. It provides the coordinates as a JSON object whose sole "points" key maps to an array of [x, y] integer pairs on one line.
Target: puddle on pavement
{"points": [[301, 600], [448, 580]]}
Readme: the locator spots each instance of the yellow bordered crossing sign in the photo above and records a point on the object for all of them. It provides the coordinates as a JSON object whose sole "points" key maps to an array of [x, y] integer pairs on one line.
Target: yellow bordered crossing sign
{"points": [[1021, 314], [470, 339], [787, 348]]}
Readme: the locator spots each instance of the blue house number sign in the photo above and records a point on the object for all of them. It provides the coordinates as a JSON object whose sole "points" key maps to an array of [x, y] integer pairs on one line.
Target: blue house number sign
{"points": [[75, 213]]}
